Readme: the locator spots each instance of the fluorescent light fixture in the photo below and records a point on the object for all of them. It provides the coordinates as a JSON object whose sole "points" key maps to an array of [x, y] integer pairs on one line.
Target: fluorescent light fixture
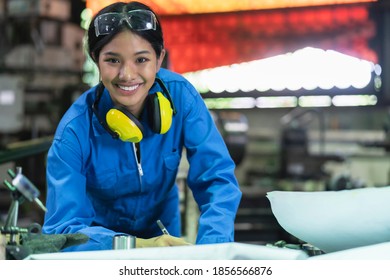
{"points": [[236, 127], [230, 103], [276, 102], [308, 68], [7, 97], [354, 100], [315, 101]]}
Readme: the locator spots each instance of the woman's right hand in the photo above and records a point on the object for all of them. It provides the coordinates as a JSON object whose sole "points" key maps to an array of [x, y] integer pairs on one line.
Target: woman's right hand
{"points": [[164, 240]]}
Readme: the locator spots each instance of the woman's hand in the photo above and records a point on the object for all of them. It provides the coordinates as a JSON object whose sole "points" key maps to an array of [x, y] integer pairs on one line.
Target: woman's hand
{"points": [[164, 240]]}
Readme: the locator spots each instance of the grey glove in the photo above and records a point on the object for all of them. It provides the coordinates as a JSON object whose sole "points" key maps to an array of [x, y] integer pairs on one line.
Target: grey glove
{"points": [[38, 243]]}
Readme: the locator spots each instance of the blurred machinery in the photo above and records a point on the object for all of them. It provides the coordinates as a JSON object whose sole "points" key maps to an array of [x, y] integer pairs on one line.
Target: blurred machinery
{"points": [[385, 143], [296, 159], [22, 241], [234, 129], [41, 67], [22, 189], [41, 56]]}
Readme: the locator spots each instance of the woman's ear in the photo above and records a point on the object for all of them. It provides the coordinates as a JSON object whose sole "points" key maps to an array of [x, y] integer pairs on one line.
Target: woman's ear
{"points": [[160, 60], [92, 55]]}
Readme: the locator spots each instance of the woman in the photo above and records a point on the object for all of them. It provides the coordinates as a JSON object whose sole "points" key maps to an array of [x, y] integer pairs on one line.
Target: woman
{"points": [[112, 166]]}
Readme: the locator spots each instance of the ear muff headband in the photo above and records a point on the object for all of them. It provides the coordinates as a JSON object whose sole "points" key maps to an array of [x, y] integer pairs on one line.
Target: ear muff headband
{"points": [[122, 124], [125, 125], [161, 113], [166, 94]]}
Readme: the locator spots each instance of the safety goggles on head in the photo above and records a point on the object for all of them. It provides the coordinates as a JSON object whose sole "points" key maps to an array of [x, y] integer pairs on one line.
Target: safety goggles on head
{"points": [[138, 20]]}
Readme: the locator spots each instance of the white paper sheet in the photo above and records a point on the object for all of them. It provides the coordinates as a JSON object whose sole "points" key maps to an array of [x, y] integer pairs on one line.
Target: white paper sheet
{"points": [[379, 251], [335, 220], [221, 251]]}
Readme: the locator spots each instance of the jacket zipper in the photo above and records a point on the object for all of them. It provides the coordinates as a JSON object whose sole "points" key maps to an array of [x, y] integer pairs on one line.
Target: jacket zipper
{"points": [[139, 166]]}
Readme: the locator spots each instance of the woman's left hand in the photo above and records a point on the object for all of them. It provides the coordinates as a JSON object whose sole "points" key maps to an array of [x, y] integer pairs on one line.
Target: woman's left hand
{"points": [[164, 240]]}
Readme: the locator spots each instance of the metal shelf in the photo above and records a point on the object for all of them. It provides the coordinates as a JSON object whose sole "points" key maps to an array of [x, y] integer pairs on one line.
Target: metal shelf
{"points": [[19, 150]]}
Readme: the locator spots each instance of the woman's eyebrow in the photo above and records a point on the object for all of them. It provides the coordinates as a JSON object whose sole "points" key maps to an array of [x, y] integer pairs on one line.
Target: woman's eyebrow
{"points": [[110, 53], [142, 52]]}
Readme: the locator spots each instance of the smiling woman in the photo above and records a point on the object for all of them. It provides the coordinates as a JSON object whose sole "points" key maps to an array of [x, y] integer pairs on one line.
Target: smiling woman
{"points": [[115, 155]]}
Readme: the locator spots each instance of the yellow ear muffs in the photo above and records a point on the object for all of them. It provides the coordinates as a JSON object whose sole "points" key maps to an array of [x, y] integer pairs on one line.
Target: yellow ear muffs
{"points": [[125, 125], [160, 113]]}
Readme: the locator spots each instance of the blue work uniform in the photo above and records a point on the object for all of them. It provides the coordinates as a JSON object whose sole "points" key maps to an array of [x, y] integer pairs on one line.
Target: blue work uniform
{"points": [[98, 186]]}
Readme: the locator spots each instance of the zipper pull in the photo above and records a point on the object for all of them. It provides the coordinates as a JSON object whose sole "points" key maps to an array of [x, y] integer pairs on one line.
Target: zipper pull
{"points": [[140, 171], [137, 160]]}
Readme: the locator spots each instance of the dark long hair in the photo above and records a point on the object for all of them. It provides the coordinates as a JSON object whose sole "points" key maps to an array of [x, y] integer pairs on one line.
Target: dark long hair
{"points": [[96, 43]]}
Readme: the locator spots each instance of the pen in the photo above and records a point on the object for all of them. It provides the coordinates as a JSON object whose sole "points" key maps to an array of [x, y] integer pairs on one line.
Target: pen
{"points": [[162, 227]]}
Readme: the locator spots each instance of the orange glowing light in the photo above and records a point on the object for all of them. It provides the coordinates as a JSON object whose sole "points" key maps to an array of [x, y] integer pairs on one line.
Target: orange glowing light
{"points": [[176, 7]]}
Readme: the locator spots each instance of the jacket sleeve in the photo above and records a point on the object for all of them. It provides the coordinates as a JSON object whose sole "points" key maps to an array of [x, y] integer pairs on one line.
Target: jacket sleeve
{"points": [[69, 210], [211, 174]]}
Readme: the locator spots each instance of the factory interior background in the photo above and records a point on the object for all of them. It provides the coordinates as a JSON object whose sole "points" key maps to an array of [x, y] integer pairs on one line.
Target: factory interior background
{"points": [[300, 91]]}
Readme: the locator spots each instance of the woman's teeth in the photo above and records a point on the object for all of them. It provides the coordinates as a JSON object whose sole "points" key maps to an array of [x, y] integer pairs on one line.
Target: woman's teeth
{"points": [[128, 88]]}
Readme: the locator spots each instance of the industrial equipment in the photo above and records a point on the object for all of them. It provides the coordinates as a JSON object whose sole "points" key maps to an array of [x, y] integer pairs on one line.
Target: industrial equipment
{"points": [[296, 160]]}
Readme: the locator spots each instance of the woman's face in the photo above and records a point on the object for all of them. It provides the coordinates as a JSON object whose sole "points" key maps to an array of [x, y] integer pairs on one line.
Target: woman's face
{"points": [[128, 66]]}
